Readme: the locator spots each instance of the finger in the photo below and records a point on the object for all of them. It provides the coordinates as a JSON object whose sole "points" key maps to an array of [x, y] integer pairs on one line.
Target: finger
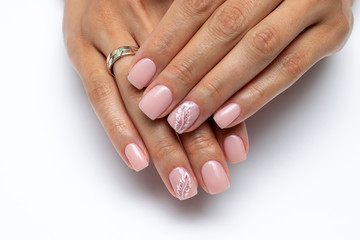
{"points": [[255, 51], [107, 103], [234, 142], [314, 44], [210, 44], [163, 145], [178, 25], [207, 159]]}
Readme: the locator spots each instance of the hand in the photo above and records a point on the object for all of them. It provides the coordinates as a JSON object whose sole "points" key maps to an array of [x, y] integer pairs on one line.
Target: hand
{"points": [[232, 57], [94, 28]]}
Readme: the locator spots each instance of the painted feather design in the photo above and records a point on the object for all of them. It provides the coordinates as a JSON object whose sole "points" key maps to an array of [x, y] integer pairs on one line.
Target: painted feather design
{"points": [[184, 186], [183, 115]]}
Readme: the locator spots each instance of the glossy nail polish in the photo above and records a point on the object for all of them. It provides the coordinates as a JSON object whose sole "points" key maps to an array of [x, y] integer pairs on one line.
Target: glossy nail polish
{"points": [[184, 116], [225, 116], [234, 149], [156, 101], [136, 157], [214, 177], [142, 73], [182, 183]]}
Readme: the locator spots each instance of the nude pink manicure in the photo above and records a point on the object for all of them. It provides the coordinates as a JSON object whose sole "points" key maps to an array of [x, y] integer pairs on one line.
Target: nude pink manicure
{"points": [[182, 183], [136, 157], [225, 116], [215, 177], [234, 149], [184, 116], [142, 73], [156, 101]]}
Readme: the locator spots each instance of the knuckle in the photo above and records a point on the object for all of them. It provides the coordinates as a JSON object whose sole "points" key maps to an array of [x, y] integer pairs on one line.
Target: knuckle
{"points": [[165, 149], [88, 22], [214, 88], [162, 45], [73, 43], [338, 31], [202, 140], [229, 21], [255, 92], [183, 71], [118, 127], [264, 41], [293, 65], [198, 6], [345, 23], [99, 88]]}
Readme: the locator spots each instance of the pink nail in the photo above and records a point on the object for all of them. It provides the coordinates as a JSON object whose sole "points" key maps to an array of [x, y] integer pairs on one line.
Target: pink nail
{"points": [[215, 177], [136, 157], [225, 116], [142, 72], [182, 183], [234, 149], [184, 116], [156, 101]]}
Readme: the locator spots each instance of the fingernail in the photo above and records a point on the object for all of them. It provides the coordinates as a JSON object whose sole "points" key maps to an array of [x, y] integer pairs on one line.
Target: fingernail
{"points": [[184, 116], [225, 116], [142, 72], [234, 149], [156, 101], [136, 157], [182, 183], [215, 177]]}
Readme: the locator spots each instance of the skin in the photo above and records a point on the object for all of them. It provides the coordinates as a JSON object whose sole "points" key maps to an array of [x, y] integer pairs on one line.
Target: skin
{"points": [[94, 28], [240, 51]]}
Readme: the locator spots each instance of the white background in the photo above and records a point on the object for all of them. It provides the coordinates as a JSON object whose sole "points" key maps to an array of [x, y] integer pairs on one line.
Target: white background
{"points": [[60, 177]]}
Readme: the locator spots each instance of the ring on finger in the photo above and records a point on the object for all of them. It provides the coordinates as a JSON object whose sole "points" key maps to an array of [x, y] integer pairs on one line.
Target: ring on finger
{"points": [[117, 54]]}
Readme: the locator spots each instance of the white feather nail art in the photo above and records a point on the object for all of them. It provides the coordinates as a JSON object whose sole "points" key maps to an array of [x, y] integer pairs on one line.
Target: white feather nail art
{"points": [[183, 116], [184, 186]]}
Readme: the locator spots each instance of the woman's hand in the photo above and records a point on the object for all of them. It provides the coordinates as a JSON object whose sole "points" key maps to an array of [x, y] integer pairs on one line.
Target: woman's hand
{"points": [[232, 57], [92, 29]]}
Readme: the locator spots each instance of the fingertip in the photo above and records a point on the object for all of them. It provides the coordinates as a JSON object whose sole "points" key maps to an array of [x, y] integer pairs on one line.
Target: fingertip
{"points": [[234, 148], [226, 115], [142, 73], [136, 157]]}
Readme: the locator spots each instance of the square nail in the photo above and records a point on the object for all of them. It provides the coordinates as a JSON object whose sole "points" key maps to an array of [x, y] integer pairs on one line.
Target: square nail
{"points": [[215, 177], [142, 73], [182, 183], [225, 116], [156, 101], [234, 149], [184, 116], [136, 157]]}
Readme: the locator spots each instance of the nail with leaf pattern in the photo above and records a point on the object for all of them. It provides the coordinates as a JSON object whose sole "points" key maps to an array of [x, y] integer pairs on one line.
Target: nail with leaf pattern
{"points": [[184, 116], [182, 183]]}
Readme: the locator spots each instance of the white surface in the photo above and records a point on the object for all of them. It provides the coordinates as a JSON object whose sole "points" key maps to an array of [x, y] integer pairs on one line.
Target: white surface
{"points": [[60, 177]]}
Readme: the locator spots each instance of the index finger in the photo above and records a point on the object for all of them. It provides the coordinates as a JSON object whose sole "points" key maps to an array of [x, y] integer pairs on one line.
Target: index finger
{"points": [[179, 24]]}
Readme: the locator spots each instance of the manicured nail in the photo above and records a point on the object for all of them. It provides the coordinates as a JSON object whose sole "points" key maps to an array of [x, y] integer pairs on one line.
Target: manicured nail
{"points": [[156, 101], [136, 157], [184, 116], [182, 183], [225, 116], [215, 177], [234, 149], [142, 72]]}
